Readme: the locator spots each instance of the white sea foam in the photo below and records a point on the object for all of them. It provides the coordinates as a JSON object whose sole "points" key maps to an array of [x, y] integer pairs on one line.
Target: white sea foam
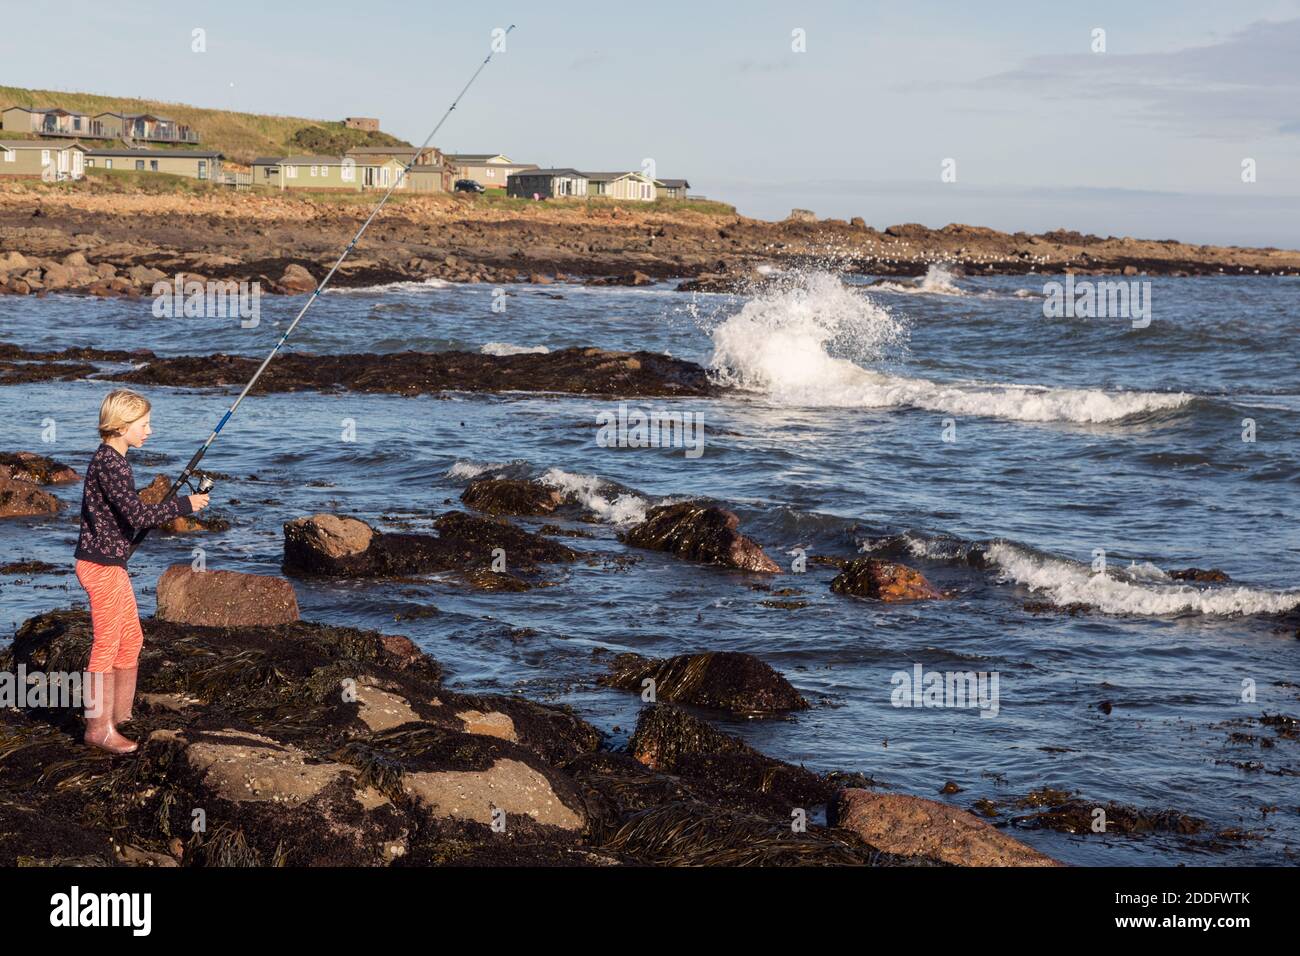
{"points": [[505, 348], [1067, 582], [805, 346], [402, 285], [938, 280], [598, 496]]}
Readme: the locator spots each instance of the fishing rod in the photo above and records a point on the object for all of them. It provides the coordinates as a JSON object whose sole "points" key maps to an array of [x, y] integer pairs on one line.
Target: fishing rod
{"points": [[205, 482]]}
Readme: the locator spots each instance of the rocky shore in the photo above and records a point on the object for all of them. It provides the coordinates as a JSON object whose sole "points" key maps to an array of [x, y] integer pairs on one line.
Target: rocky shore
{"points": [[306, 744], [120, 244]]}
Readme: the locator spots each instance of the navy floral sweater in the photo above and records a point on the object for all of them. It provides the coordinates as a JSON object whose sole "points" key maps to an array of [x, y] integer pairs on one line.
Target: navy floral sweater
{"points": [[112, 514]]}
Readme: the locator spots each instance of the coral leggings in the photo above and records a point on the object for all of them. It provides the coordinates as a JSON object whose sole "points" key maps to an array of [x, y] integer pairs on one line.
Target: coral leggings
{"points": [[113, 615]]}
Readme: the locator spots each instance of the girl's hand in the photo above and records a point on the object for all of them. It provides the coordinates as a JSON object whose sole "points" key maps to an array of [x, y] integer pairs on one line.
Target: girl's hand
{"points": [[198, 502]]}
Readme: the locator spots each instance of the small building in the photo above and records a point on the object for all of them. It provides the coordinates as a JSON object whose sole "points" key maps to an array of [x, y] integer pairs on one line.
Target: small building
{"points": [[51, 121], [547, 183], [328, 173], [490, 170], [632, 185], [196, 164], [367, 123], [42, 159], [672, 188], [149, 127]]}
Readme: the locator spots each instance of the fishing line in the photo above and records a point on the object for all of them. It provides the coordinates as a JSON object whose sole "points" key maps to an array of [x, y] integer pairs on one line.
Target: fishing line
{"points": [[205, 482]]}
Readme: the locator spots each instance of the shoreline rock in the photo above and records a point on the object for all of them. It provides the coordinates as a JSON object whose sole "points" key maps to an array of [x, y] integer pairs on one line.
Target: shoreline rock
{"points": [[338, 546], [697, 532], [883, 581]]}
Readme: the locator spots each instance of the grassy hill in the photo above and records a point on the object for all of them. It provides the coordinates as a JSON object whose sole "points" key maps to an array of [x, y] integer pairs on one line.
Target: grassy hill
{"points": [[240, 136]]}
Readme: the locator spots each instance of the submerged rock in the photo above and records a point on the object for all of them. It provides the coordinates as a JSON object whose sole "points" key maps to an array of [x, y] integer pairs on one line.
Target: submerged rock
{"points": [[22, 499], [506, 496], [337, 546], [739, 683], [224, 598], [884, 581], [914, 826], [1213, 575], [700, 533]]}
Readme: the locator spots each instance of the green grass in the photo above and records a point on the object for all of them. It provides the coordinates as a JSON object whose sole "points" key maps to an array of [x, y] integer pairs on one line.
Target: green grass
{"points": [[241, 137], [136, 180]]}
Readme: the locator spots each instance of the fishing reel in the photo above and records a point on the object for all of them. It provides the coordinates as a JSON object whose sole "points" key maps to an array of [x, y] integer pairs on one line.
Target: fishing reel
{"points": [[205, 482]]}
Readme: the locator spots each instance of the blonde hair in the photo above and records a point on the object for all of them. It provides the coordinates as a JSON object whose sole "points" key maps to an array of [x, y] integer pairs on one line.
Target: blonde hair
{"points": [[119, 409]]}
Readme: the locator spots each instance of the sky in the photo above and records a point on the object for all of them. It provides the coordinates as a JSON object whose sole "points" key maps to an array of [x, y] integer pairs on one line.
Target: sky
{"points": [[846, 109]]}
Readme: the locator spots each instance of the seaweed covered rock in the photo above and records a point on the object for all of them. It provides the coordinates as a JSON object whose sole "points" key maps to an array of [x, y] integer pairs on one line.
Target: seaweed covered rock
{"points": [[669, 739], [507, 496], [700, 533], [884, 581], [739, 683], [913, 826], [224, 598], [22, 499], [38, 469], [335, 546], [583, 371], [305, 744]]}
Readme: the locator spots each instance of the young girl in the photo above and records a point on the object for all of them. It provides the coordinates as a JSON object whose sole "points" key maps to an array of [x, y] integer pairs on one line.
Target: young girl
{"points": [[111, 516]]}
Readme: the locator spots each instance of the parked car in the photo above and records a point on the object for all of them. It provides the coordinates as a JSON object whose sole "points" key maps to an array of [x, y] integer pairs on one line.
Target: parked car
{"points": [[468, 186]]}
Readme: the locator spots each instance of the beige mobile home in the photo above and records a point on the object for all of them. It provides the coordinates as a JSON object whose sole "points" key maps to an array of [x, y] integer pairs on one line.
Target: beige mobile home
{"points": [[490, 170], [41, 159], [51, 121], [547, 183], [178, 162], [332, 173], [633, 186]]}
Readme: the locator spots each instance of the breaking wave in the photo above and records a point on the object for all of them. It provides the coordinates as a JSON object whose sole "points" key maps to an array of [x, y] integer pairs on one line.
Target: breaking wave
{"points": [[1136, 591], [605, 499], [807, 344]]}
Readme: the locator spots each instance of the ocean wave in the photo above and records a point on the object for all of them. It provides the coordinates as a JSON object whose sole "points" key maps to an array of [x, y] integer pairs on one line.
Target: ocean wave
{"points": [[402, 285], [804, 346], [1142, 590]]}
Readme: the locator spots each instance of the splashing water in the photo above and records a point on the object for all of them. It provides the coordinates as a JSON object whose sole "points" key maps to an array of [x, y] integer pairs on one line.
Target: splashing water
{"points": [[804, 343]]}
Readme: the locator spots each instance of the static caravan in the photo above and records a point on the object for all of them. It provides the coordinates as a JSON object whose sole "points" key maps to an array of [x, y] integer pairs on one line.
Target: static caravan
{"points": [[37, 159]]}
